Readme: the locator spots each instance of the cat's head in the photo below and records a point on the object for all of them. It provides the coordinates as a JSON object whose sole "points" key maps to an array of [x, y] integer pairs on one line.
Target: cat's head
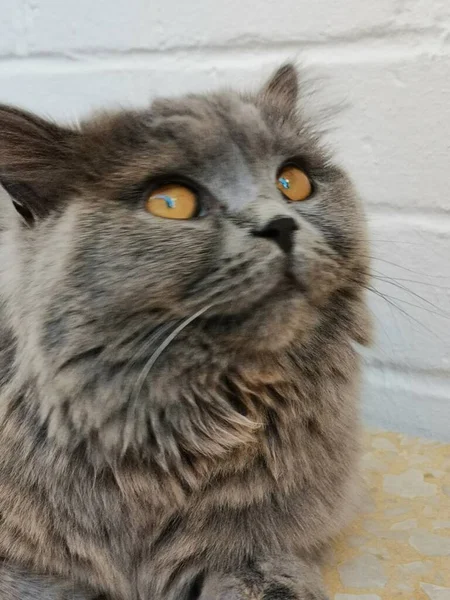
{"points": [[222, 207]]}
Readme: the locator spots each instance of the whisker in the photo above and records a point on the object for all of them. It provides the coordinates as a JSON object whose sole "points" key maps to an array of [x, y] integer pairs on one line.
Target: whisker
{"points": [[131, 409], [432, 312], [406, 314], [427, 283], [405, 268], [391, 281], [161, 330], [371, 239], [157, 353], [137, 388], [435, 285]]}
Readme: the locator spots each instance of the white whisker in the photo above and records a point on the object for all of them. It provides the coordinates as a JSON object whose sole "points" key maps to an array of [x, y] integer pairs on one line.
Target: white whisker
{"points": [[148, 367], [157, 353]]}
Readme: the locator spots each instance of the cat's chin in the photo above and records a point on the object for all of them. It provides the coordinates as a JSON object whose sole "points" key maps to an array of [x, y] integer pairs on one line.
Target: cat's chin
{"points": [[273, 323]]}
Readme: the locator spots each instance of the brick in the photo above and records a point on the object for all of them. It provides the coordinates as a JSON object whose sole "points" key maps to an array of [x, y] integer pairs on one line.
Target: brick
{"points": [[68, 91], [68, 88], [161, 25], [12, 28], [422, 13], [395, 135]]}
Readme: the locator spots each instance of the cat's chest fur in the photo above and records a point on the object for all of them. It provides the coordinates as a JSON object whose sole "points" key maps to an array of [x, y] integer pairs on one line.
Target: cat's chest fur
{"points": [[114, 524]]}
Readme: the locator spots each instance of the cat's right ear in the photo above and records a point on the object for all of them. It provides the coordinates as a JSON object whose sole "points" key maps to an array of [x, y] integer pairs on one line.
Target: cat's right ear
{"points": [[281, 91], [36, 160]]}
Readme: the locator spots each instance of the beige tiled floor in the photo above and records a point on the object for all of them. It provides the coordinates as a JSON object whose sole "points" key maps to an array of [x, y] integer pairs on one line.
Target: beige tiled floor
{"points": [[400, 547]]}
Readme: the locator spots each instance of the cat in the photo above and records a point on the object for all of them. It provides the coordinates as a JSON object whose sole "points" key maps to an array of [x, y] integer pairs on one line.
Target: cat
{"points": [[181, 290]]}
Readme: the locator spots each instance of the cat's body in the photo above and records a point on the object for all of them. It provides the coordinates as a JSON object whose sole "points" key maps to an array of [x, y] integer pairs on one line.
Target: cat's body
{"points": [[221, 467]]}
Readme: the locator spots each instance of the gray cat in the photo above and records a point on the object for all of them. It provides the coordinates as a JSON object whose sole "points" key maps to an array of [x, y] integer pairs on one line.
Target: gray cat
{"points": [[181, 288]]}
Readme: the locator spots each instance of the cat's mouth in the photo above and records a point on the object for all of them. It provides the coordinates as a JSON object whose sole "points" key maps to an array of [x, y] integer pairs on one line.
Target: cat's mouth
{"points": [[292, 280], [286, 289]]}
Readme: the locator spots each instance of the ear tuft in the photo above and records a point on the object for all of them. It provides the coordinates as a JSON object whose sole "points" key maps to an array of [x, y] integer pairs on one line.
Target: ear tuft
{"points": [[282, 89]]}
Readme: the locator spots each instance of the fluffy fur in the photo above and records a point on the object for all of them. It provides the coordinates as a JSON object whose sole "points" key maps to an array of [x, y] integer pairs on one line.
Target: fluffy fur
{"points": [[217, 466]]}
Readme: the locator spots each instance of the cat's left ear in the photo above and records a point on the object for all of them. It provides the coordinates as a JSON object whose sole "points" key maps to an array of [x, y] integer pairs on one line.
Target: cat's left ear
{"points": [[37, 162], [281, 91]]}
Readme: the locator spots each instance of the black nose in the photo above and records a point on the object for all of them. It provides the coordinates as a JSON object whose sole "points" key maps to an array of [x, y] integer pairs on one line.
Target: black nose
{"points": [[280, 230]]}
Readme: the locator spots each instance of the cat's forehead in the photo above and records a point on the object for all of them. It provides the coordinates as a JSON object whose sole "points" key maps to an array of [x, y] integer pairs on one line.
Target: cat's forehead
{"points": [[221, 109], [209, 125], [219, 136]]}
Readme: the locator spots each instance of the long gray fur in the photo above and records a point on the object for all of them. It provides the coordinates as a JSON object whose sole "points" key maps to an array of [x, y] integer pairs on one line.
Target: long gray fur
{"points": [[220, 469]]}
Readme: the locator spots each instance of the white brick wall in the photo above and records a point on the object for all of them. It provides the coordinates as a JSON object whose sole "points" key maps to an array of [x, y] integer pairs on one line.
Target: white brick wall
{"points": [[389, 60]]}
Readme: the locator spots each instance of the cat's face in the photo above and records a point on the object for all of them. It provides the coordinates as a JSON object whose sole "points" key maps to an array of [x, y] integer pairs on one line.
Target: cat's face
{"points": [[102, 268]]}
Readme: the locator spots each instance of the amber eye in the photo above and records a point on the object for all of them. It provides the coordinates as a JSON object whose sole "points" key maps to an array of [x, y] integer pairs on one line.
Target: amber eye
{"points": [[173, 201], [294, 184]]}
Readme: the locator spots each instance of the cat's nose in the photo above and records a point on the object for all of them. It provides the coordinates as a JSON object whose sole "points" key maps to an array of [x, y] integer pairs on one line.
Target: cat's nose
{"points": [[281, 230]]}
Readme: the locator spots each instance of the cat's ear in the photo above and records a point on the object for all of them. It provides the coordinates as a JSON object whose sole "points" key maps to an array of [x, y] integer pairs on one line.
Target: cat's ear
{"points": [[35, 161], [281, 91]]}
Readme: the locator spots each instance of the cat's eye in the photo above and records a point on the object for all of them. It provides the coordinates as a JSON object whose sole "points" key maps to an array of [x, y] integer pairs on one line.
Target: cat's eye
{"points": [[173, 201], [294, 184]]}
